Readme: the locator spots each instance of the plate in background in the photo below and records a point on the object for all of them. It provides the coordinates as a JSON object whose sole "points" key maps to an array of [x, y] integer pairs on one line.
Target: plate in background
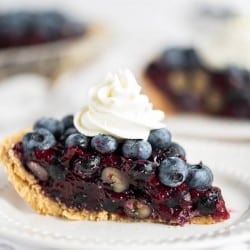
{"points": [[208, 127]]}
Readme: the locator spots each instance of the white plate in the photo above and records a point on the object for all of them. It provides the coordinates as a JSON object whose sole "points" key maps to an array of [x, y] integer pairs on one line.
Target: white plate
{"points": [[20, 224], [209, 127]]}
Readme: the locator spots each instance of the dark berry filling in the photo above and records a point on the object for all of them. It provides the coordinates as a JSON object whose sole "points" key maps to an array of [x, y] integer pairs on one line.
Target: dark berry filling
{"points": [[192, 86], [23, 28], [98, 175]]}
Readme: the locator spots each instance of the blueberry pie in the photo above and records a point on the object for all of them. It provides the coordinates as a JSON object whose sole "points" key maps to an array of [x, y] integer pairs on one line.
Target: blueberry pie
{"points": [[113, 160], [46, 42], [180, 80]]}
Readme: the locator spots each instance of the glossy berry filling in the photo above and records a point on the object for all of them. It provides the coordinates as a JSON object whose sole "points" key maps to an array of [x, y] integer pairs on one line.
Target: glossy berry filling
{"points": [[83, 178], [193, 87]]}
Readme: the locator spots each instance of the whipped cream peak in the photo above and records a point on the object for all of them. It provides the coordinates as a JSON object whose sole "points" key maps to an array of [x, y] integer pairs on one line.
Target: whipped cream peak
{"points": [[116, 107]]}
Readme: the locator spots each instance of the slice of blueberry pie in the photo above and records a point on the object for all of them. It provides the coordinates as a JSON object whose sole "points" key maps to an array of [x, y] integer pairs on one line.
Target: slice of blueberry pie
{"points": [[180, 80], [114, 160], [47, 42]]}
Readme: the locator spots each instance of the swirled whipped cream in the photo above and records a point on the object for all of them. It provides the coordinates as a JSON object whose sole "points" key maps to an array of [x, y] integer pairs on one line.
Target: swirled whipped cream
{"points": [[116, 107], [230, 46]]}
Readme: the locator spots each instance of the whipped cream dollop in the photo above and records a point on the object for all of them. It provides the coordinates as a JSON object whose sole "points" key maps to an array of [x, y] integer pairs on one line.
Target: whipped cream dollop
{"points": [[229, 46], [116, 107]]}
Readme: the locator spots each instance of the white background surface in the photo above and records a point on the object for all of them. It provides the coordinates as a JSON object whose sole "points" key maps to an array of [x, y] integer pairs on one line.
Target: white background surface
{"points": [[139, 29]]}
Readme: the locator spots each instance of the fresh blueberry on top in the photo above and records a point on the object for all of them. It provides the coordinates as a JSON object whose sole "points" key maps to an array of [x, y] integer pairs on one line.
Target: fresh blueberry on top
{"points": [[137, 149], [41, 139], [53, 125], [193, 60], [68, 121], [160, 138], [69, 132], [175, 150], [180, 58], [79, 140], [199, 177], [173, 172], [173, 58], [104, 143]]}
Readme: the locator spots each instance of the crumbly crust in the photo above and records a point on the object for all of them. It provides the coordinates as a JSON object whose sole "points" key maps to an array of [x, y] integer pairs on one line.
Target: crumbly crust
{"points": [[27, 187]]}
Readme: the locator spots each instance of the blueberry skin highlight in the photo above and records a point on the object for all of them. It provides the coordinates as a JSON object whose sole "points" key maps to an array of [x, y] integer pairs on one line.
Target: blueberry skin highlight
{"points": [[137, 149], [199, 177], [176, 150], [41, 139], [69, 132], [180, 58], [160, 138], [68, 121], [77, 139], [55, 126], [173, 172], [104, 143]]}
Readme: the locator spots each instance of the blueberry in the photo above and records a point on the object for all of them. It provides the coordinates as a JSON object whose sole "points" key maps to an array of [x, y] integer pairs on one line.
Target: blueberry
{"points": [[206, 205], [68, 121], [160, 138], [47, 26], [20, 28], [236, 76], [54, 16], [118, 180], [53, 125], [16, 24], [57, 172], [137, 149], [143, 170], [199, 177], [137, 209], [41, 139], [175, 150], [86, 167], [69, 132], [173, 171], [180, 59], [128, 148], [79, 140], [111, 206], [104, 143], [173, 58], [192, 59], [38, 170]]}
